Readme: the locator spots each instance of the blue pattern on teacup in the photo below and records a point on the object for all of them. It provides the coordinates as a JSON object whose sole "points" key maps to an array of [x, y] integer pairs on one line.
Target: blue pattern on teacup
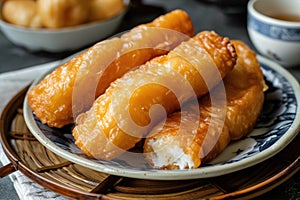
{"points": [[274, 31]]}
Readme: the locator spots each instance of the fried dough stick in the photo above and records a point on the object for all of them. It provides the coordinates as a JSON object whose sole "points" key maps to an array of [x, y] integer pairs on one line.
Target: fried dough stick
{"points": [[72, 87], [192, 68], [172, 148]]}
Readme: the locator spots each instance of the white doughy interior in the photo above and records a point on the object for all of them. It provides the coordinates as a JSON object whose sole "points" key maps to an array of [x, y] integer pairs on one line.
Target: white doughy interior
{"points": [[167, 152]]}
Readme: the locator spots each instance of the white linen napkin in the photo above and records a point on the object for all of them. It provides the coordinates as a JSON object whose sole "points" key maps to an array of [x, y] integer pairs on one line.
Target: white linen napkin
{"points": [[10, 84]]}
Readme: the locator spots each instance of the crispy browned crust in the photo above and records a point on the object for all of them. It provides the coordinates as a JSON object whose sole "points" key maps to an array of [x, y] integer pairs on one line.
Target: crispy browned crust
{"points": [[244, 87], [51, 99], [99, 123]]}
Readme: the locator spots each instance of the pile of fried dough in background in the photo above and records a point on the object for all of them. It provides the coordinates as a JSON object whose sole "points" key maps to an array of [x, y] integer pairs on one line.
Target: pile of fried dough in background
{"points": [[59, 13], [203, 59]]}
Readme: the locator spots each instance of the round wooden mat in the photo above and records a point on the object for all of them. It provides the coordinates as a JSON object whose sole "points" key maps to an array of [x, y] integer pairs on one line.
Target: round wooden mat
{"points": [[74, 181]]}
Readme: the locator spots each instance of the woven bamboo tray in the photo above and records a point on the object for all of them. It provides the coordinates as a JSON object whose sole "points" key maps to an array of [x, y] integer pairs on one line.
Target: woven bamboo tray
{"points": [[30, 157]]}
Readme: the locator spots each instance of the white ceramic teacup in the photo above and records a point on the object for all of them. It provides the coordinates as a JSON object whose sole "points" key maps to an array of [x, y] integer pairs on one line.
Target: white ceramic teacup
{"points": [[274, 29]]}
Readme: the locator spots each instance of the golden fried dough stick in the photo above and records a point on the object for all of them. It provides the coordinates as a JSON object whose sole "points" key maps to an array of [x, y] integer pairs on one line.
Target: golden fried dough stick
{"points": [[244, 88], [52, 99], [62, 13], [22, 13], [173, 147], [120, 117]]}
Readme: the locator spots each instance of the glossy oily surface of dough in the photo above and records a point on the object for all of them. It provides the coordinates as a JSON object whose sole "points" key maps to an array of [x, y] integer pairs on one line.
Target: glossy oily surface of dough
{"points": [[184, 143], [52, 99], [120, 117]]}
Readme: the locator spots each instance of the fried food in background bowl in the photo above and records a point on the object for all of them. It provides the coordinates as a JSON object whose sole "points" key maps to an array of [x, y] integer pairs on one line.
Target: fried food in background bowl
{"points": [[59, 25]]}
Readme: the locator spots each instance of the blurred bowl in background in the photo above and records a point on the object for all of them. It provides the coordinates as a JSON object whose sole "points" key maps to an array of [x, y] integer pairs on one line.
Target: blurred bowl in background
{"points": [[62, 39]]}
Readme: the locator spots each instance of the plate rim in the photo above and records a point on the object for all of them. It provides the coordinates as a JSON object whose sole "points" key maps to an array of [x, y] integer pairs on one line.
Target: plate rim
{"points": [[250, 191], [155, 174]]}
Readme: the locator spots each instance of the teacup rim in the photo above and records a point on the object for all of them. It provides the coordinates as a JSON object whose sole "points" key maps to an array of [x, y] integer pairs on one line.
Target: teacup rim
{"points": [[265, 18]]}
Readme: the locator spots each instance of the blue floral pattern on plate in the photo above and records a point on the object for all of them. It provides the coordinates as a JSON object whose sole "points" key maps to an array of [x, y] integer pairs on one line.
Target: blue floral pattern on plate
{"points": [[276, 127], [278, 114]]}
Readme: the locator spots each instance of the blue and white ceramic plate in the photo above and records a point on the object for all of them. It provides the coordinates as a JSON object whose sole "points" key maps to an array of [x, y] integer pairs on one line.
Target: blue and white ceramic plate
{"points": [[277, 126]]}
